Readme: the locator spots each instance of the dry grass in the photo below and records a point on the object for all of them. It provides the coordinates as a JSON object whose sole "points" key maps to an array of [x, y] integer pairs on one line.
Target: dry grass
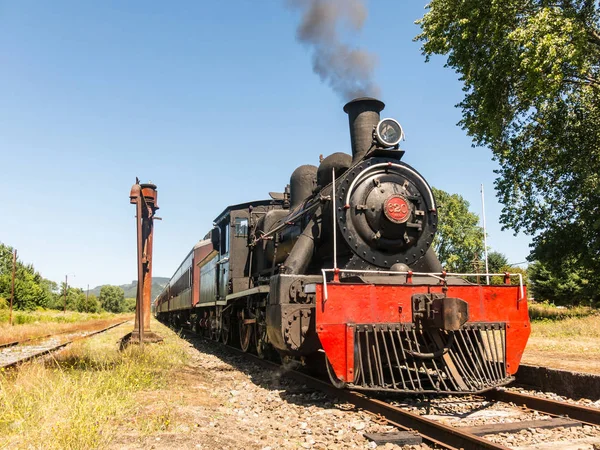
{"points": [[80, 398], [572, 343], [549, 321], [573, 327], [50, 315], [42, 323]]}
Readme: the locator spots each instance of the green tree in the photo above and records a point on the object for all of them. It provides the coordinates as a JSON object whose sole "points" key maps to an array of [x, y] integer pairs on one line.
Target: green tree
{"points": [[112, 298], [88, 304], [49, 292], [571, 286], [31, 289], [513, 280], [73, 297], [531, 74], [57, 301], [129, 305], [459, 240], [496, 262]]}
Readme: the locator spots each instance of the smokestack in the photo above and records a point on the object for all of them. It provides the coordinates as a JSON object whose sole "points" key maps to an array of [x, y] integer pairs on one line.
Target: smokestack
{"points": [[363, 114]]}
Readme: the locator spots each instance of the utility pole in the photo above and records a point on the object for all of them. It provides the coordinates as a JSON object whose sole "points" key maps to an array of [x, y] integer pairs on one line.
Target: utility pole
{"points": [[487, 277], [87, 295], [65, 297], [12, 293]]}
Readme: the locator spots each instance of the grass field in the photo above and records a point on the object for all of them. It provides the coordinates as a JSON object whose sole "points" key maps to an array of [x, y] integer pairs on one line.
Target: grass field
{"points": [[50, 316], [81, 397], [549, 321], [577, 327], [30, 324], [564, 338]]}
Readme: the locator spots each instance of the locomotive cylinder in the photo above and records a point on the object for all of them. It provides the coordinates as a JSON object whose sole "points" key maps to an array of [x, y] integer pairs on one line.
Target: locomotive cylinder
{"points": [[363, 115]]}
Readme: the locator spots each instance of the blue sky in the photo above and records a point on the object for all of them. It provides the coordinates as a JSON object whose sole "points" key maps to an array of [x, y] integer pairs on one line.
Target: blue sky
{"points": [[215, 102]]}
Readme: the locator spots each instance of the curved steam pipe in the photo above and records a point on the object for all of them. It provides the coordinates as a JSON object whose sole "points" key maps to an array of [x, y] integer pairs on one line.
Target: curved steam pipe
{"points": [[299, 258]]}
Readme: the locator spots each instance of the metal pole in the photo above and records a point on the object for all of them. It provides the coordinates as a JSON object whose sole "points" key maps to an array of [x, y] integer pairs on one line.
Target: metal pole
{"points": [[140, 292], [12, 293], [487, 277], [144, 197], [148, 232], [65, 297], [334, 220]]}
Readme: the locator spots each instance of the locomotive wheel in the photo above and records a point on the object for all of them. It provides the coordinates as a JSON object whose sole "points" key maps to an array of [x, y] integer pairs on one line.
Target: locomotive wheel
{"points": [[333, 377], [205, 324], [225, 327], [262, 340], [213, 327], [246, 335], [246, 332]]}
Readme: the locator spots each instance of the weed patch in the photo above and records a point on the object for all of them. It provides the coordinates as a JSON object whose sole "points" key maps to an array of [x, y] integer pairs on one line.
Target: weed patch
{"points": [[573, 327], [78, 398], [547, 311], [51, 316]]}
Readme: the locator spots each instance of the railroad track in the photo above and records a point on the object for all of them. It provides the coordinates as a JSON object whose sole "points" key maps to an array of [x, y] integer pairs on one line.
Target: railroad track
{"points": [[17, 352], [413, 426], [33, 339]]}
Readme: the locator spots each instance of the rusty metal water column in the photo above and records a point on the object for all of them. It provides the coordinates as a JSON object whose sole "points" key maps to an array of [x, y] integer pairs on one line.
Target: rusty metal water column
{"points": [[144, 196]]}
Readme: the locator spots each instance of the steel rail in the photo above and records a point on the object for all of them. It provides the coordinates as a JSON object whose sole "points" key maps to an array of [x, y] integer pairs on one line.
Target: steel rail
{"points": [[13, 343], [59, 346], [35, 338], [591, 416], [432, 431]]}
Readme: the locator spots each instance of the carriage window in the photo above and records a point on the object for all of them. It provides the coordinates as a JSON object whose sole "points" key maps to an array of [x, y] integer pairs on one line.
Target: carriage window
{"points": [[241, 227]]}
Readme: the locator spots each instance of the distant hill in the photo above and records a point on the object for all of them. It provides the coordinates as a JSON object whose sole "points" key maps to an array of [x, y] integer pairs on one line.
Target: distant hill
{"points": [[158, 283]]}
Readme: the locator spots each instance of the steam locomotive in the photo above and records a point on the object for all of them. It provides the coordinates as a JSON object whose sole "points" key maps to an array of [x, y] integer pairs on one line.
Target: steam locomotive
{"points": [[341, 265]]}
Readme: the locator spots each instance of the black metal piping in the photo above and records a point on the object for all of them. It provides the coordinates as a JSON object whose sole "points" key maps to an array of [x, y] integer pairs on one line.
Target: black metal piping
{"points": [[299, 258]]}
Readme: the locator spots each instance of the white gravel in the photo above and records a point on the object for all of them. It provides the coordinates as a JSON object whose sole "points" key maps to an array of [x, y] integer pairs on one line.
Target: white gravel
{"points": [[560, 398], [247, 407], [468, 411]]}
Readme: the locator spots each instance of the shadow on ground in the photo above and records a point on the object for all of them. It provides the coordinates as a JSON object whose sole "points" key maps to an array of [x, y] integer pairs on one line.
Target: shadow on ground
{"points": [[297, 393]]}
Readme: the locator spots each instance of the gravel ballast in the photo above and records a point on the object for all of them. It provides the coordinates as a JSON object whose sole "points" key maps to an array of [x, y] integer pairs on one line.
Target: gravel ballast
{"points": [[223, 400]]}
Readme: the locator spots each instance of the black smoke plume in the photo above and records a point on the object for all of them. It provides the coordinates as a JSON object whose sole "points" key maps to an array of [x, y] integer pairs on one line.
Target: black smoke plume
{"points": [[349, 71]]}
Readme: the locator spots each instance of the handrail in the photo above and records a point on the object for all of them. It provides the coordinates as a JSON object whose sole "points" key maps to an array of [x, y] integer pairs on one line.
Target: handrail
{"points": [[438, 275]]}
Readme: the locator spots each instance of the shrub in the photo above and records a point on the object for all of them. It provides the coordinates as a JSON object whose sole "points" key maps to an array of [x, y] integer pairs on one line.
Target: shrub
{"points": [[548, 311]]}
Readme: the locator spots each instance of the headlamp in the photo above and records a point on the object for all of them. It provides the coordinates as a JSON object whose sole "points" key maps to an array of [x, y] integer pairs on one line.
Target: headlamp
{"points": [[389, 133]]}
